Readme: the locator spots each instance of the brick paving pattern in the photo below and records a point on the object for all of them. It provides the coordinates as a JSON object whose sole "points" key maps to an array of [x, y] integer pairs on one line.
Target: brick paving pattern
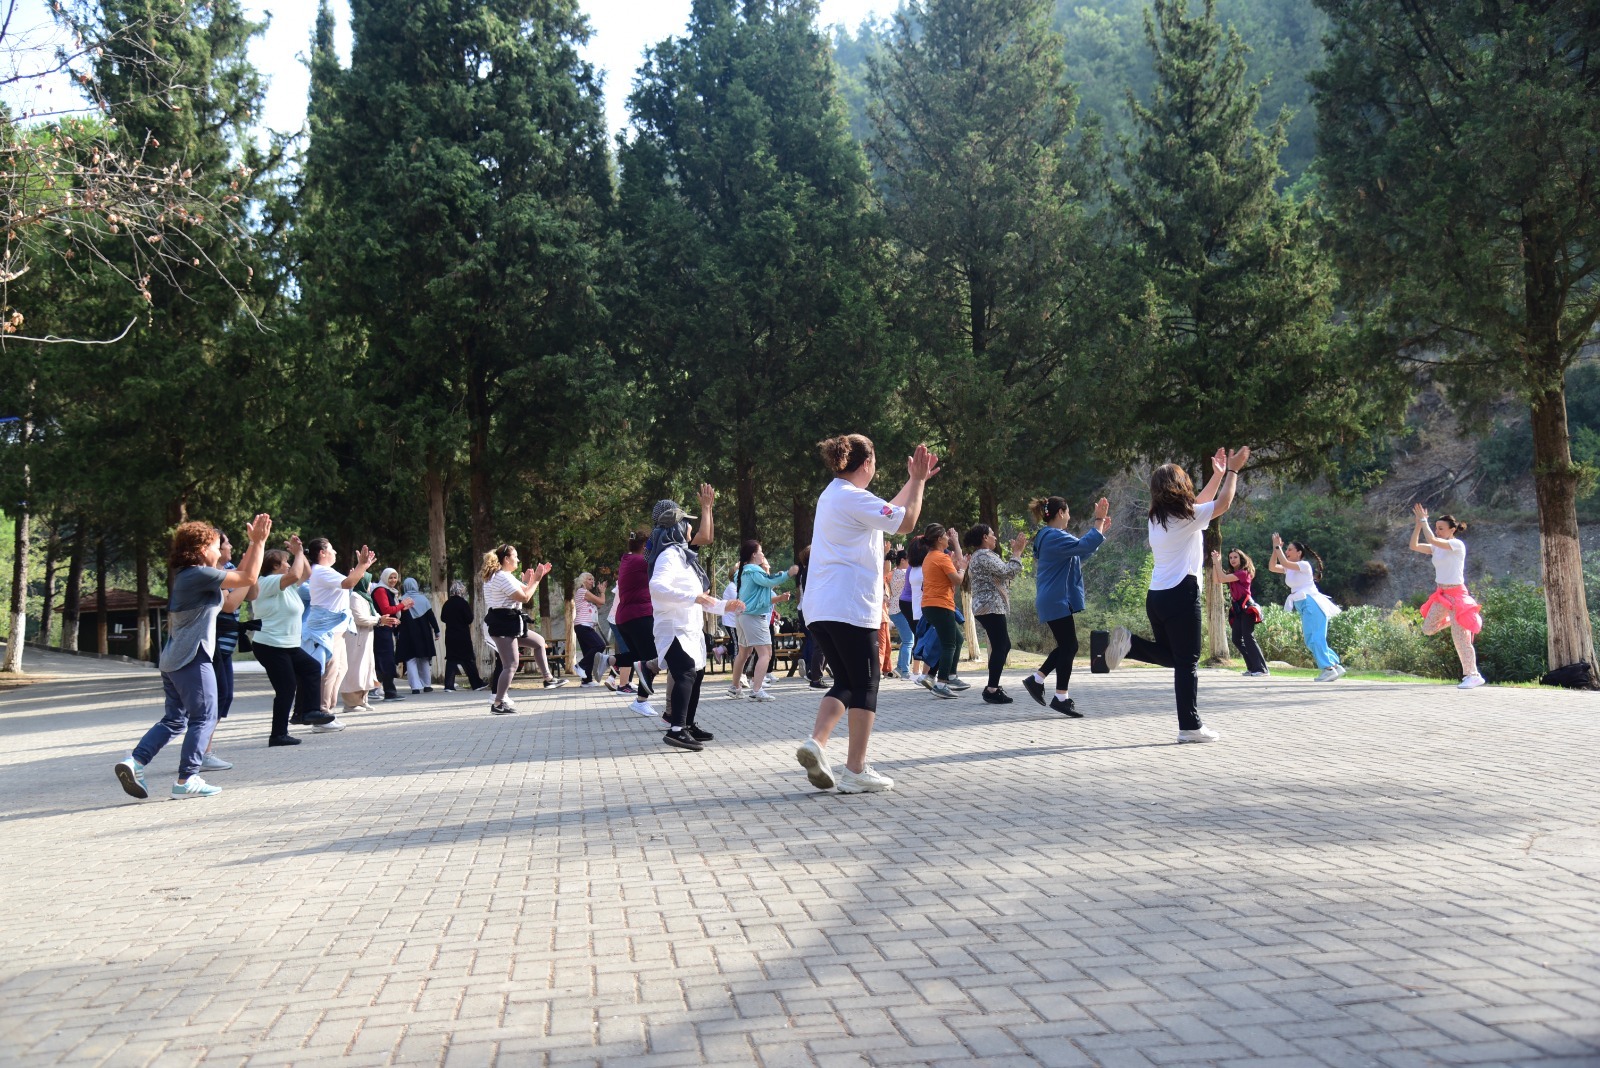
{"points": [[1358, 874]]}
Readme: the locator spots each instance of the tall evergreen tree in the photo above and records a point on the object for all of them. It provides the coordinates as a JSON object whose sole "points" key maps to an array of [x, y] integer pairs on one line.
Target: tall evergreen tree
{"points": [[750, 231], [1237, 336], [1460, 150], [1003, 287]]}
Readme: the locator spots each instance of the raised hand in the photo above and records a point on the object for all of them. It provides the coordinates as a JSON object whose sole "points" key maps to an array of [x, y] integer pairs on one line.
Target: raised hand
{"points": [[1219, 461], [922, 464], [707, 495], [1277, 540], [1102, 509], [365, 557], [1216, 557], [1239, 458], [1019, 543], [542, 570], [1420, 512], [295, 548], [258, 528], [530, 576]]}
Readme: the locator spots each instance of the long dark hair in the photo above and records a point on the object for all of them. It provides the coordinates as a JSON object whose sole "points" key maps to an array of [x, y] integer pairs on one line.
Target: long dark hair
{"points": [[1171, 494], [916, 551], [748, 549], [1248, 566], [1304, 551]]}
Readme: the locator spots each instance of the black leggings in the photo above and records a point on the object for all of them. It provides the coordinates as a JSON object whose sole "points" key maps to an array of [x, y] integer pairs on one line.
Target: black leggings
{"points": [[641, 638], [590, 642], [943, 621], [994, 625], [296, 679], [1242, 627], [1175, 626], [684, 697], [467, 662], [1065, 630], [852, 656]]}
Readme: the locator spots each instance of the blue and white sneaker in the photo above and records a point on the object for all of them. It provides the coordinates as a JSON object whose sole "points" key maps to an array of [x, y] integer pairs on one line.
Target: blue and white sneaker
{"points": [[130, 773], [195, 787]]}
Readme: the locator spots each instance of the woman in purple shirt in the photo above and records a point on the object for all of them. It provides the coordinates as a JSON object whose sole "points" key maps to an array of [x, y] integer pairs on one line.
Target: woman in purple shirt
{"points": [[1243, 613]]}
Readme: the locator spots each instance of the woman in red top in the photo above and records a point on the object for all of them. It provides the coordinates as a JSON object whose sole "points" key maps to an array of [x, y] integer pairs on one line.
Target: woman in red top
{"points": [[636, 620], [1243, 612], [387, 600]]}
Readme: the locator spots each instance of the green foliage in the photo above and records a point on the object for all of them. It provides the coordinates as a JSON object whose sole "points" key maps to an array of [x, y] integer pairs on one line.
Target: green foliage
{"points": [[1513, 645], [1346, 538]]}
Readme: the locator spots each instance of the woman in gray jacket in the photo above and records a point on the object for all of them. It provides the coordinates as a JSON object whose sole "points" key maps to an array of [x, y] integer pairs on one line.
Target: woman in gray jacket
{"points": [[991, 577]]}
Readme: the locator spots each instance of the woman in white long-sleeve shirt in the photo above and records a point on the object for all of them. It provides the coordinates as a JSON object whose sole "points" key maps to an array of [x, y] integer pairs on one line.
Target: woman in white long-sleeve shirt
{"points": [[679, 600]]}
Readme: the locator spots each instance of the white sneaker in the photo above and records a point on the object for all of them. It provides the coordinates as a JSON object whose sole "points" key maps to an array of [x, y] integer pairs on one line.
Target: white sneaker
{"points": [[1340, 668], [867, 781], [735, 691], [642, 707], [1204, 734], [761, 695], [602, 665], [1472, 682], [1327, 674], [212, 762], [814, 759], [1117, 647], [328, 727], [590, 685]]}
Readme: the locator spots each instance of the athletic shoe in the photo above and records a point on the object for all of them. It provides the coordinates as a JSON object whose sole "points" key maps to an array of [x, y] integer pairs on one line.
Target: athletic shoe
{"points": [[1066, 706], [1257, 674], [311, 719], [958, 684], [212, 762], [682, 740], [502, 709], [130, 773], [891, 675], [868, 780], [328, 728], [699, 735], [941, 690], [552, 683], [1099, 640], [449, 689], [1204, 734], [761, 695], [195, 787], [394, 697], [926, 681], [1117, 646], [642, 707], [996, 697], [602, 665], [1034, 687], [589, 685], [415, 690], [611, 683], [1472, 682], [357, 708], [1328, 674], [283, 739], [627, 688], [1340, 668], [821, 684], [814, 759], [735, 691], [427, 689]]}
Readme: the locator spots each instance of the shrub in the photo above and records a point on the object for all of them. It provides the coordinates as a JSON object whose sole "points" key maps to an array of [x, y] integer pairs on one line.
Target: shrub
{"points": [[1514, 644], [1280, 638], [1343, 533]]}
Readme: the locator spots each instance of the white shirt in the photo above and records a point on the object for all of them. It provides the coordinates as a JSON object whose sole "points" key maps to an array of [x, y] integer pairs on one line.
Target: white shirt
{"points": [[914, 577], [674, 590], [844, 583], [730, 592], [1179, 547], [328, 591], [1301, 579], [501, 591], [1450, 564]]}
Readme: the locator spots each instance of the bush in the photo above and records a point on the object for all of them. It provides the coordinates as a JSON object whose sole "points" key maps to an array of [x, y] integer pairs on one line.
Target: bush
{"points": [[1343, 533], [1514, 644]]}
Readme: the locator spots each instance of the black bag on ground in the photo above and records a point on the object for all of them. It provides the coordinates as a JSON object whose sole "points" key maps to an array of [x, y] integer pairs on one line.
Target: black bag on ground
{"points": [[1579, 676]]}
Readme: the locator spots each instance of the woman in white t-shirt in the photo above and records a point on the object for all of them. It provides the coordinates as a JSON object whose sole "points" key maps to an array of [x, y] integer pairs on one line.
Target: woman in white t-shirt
{"points": [[1315, 607], [1450, 605], [1178, 519], [504, 594], [586, 604], [843, 600]]}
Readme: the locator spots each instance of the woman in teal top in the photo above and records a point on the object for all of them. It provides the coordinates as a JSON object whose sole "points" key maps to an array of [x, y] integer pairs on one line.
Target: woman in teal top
{"points": [[295, 675], [755, 622]]}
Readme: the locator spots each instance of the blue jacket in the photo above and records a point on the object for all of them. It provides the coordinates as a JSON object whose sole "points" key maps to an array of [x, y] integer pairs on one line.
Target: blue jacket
{"points": [[1059, 576], [755, 589]]}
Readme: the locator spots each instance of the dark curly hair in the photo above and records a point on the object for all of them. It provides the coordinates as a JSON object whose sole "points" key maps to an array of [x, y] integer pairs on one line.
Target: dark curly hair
{"points": [[189, 542]]}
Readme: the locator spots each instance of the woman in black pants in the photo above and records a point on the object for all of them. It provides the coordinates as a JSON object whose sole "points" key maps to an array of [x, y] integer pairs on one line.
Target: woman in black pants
{"points": [[990, 578], [1059, 593], [1243, 612], [456, 615], [1178, 519], [295, 675]]}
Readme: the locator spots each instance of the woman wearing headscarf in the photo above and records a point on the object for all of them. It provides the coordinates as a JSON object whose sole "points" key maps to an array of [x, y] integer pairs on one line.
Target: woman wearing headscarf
{"points": [[387, 600], [361, 673], [456, 615], [419, 635], [679, 601]]}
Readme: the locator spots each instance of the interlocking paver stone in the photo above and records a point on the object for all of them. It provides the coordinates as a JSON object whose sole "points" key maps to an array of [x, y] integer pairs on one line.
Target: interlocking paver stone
{"points": [[1360, 874]]}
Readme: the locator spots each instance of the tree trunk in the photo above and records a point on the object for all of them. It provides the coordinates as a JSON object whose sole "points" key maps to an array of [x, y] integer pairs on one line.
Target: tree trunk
{"points": [[19, 587], [1555, 481], [1217, 649], [744, 485], [102, 624], [71, 609], [52, 556], [438, 564], [804, 517], [970, 623], [141, 578]]}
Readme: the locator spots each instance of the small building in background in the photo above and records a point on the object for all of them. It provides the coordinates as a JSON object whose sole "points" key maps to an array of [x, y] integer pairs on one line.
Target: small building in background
{"points": [[122, 622]]}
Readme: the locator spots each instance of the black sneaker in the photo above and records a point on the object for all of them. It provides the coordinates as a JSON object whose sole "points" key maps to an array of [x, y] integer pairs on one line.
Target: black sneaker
{"points": [[699, 735], [1068, 708], [1034, 687], [996, 697], [312, 719], [1099, 641], [283, 739], [501, 710], [821, 684], [552, 683], [682, 740], [416, 691], [427, 689]]}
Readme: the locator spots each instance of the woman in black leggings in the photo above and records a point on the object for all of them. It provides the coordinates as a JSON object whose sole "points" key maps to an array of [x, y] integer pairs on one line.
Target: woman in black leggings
{"points": [[1059, 591], [990, 578]]}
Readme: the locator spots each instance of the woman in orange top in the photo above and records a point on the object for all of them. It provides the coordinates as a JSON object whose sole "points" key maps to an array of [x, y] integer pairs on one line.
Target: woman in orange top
{"points": [[941, 574]]}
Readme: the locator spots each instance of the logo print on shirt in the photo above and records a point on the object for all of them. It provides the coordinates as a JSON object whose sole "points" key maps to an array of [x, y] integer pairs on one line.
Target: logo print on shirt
{"points": [[887, 510]]}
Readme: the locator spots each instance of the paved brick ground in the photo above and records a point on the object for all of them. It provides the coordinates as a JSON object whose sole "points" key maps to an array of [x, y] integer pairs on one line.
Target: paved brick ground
{"points": [[1360, 874]]}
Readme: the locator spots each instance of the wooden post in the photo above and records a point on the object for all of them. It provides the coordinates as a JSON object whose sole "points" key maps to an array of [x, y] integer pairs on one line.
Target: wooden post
{"points": [[141, 575], [102, 624]]}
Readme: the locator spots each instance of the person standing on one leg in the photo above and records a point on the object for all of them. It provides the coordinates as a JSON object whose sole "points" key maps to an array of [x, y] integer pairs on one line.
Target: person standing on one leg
{"points": [[1243, 612], [843, 600], [187, 677], [1315, 607], [990, 578], [1059, 592], [1450, 605], [1178, 519]]}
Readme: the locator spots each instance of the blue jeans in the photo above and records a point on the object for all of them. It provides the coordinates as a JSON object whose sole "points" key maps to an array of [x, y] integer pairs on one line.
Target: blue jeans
{"points": [[222, 666], [1314, 626], [902, 626], [191, 711]]}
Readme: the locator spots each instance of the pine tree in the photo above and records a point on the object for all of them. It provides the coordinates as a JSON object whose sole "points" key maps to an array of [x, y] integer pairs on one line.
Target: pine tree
{"points": [[1238, 343], [1460, 151]]}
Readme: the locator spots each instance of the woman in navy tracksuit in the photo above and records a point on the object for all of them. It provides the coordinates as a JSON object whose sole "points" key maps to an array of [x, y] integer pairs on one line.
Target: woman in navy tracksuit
{"points": [[1059, 585]]}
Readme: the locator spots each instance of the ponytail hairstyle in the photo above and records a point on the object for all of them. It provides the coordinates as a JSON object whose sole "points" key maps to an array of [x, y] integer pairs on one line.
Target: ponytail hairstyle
{"points": [[931, 534], [1171, 494], [916, 552], [1301, 547], [1455, 527], [747, 551], [974, 537], [1247, 565], [492, 561], [1044, 509], [188, 544], [845, 453], [637, 539], [315, 548]]}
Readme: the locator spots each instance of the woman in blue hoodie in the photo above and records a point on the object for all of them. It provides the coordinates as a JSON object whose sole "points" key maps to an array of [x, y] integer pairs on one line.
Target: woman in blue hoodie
{"points": [[1059, 582]]}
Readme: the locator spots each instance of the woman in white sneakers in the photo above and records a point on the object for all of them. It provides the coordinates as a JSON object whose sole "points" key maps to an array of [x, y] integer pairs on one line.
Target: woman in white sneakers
{"points": [[1315, 607], [1178, 519], [843, 600], [504, 594], [755, 590], [586, 605], [1450, 604]]}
